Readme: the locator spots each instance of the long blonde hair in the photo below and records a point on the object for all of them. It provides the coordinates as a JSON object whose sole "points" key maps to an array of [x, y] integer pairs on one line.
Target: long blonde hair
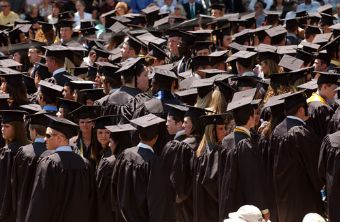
{"points": [[208, 137], [205, 101], [218, 103]]}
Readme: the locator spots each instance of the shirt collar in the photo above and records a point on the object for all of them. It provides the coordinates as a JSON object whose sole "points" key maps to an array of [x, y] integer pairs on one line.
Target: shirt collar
{"points": [[62, 69], [297, 118], [64, 149], [145, 146], [50, 108], [39, 140]]}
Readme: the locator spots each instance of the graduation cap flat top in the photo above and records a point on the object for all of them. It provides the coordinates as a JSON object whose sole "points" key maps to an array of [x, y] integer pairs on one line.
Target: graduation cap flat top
{"points": [[12, 116], [274, 101], [9, 63], [102, 121], [291, 100], [147, 120], [129, 64], [48, 85], [31, 108], [241, 55], [62, 125], [85, 112], [330, 77], [146, 38], [322, 38], [186, 92], [165, 73], [177, 110], [275, 31], [311, 85], [217, 119], [286, 49], [238, 103], [120, 128], [266, 48], [290, 62]]}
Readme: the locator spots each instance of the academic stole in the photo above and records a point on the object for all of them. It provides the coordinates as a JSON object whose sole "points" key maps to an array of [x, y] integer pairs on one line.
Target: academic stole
{"points": [[316, 98], [239, 130]]}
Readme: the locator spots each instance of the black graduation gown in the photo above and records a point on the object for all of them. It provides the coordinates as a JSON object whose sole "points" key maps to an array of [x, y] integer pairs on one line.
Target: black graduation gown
{"points": [[61, 79], [177, 166], [320, 115], [64, 189], [7, 154], [329, 171], [242, 179], [296, 181], [106, 210], [22, 177], [205, 184], [135, 186], [334, 123]]}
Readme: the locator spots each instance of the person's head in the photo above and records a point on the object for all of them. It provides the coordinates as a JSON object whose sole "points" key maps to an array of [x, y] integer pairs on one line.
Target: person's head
{"points": [[213, 134], [269, 66], [34, 10], [56, 9], [54, 63], [66, 33], [54, 139], [172, 45], [313, 217], [68, 92], [130, 48], [245, 116], [179, 11], [259, 6], [188, 126], [217, 11], [149, 134], [85, 125], [17, 92], [34, 55], [103, 137], [13, 131], [138, 77], [327, 90], [36, 131], [80, 5], [5, 7], [244, 65], [321, 65], [227, 39], [121, 8], [174, 124], [295, 104]]}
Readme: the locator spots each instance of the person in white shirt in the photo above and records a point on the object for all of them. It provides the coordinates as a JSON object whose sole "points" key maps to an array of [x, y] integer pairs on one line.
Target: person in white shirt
{"points": [[80, 14]]}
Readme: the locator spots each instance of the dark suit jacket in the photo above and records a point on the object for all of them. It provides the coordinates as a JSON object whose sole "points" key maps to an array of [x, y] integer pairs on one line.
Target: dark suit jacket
{"points": [[198, 9], [234, 6]]}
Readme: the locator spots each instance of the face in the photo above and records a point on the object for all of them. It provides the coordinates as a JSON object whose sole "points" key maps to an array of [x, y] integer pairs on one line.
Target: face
{"points": [[61, 113], [66, 33], [92, 56], [168, 2], [216, 13], [187, 125], [258, 8], [7, 131], [172, 44], [68, 93], [3, 86], [79, 7], [89, 102], [328, 91], [98, 81], [53, 139], [16, 57], [319, 66], [143, 81], [227, 39], [265, 68], [103, 137], [33, 55], [221, 132], [257, 113], [203, 52], [112, 145], [85, 125], [126, 51], [6, 8], [50, 64], [120, 11], [55, 11], [172, 126]]}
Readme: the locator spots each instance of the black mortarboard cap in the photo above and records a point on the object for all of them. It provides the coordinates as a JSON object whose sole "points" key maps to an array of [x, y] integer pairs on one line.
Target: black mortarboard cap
{"points": [[330, 77], [310, 85], [67, 104], [129, 66], [13, 79], [30, 85], [156, 52], [50, 89], [216, 119], [67, 15], [290, 62], [327, 9], [38, 118], [177, 110], [309, 47], [322, 39], [187, 37], [120, 128], [101, 52], [107, 69], [9, 63], [85, 112], [274, 101], [239, 102], [292, 100], [46, 27], [64, 126], [187, 96], [310, 29], [241, 55], [147, 120], [327, 19], [92, 94], [65, 23], [165, 73], [31, 108], [58, 51], [81, 84], [103, 121], [12, 116], [82, 70]]}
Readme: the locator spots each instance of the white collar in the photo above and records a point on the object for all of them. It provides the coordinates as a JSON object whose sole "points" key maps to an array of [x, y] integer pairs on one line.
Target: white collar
{"points": [[62, 69], [64, 149], [297, 118], [145, 146]]}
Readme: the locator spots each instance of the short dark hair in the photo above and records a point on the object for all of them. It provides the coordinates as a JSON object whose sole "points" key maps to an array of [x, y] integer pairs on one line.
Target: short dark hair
{"points": [[48, 99], [129, 74], [59, 60], [149, 133], [41, 130], [113, 82], [246, 63], [176, 118], [241, 115]]}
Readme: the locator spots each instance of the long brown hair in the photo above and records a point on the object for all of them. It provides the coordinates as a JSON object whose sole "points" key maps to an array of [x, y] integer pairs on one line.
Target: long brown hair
{"points": [[19, 133]]}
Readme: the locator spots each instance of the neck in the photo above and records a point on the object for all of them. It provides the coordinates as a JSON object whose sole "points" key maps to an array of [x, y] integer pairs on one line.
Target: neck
{"points": [[247, 126], [149, 143], [131, 85], [6, 13], [87, 135]]}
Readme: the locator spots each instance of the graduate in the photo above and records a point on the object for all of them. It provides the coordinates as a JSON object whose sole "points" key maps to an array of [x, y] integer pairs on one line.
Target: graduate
{"points": [[320, 103], [106, 199], [63, 177], [133, 171], [296, 150], [25, 164], [13, 131], [328, 168], [241, 178]]}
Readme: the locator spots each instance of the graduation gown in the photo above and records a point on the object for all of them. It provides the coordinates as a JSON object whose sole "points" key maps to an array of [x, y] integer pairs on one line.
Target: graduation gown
{"points": [[329, 171], [320, 114], [106, 209], [23, 172], [296, 181], [205, 184], [177, 166], [64, 189], [136, 181], [7, 154], [334, 123], [242, 178]]}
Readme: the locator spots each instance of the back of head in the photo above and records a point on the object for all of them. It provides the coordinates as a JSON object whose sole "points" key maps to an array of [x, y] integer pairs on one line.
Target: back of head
{"points": [[313, 217]]}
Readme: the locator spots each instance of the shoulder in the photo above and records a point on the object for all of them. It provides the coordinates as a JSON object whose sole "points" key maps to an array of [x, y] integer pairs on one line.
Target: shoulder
{"points": [[334, 139], [27, 151]]}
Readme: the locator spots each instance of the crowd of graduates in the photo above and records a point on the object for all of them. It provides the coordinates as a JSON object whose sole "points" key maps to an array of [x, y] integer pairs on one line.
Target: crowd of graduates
{"points": [[154, 117]]}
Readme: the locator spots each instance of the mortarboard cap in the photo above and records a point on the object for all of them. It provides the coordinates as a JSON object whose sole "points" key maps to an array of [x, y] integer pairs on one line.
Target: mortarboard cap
{"points": [[330, 77], [120, 128], [58, 51], [103, 121], [67, 104], [241, 55], [327, 9], [290, 62], [287, 50], [327, 19], [8, 116], [6, 63], [81, 84], [46, 27], [31, 108], [187, 96], [13, 79], [216, 119], [85, 112], [65, 24], [101, 52], [276, 31], [217, 6], [312, 30], [239, 102], [293, 100], [50, 89], [38, 118], [274, 101], [305, 56], [82, 70], [310, 85], [107, 69], [29, 83], [156, 52], [322, 39], [62, 125], [177, 110], [147, 120], [89, 94]]}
